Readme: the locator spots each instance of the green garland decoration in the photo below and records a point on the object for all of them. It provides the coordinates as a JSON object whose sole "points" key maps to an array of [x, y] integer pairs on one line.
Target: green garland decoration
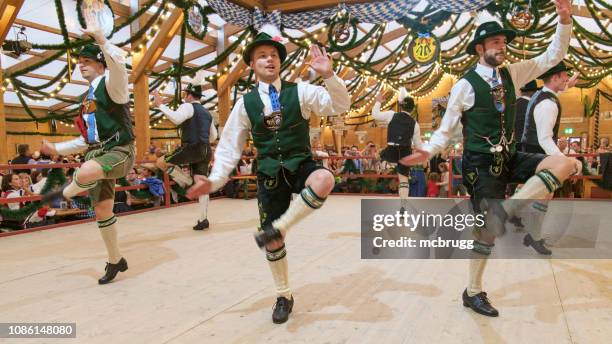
{"points": [[204, 12]]}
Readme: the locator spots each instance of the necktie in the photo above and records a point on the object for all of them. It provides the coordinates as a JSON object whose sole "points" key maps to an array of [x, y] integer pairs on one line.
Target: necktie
{"points": [[91, 118], [498, 92], [274, 98]]}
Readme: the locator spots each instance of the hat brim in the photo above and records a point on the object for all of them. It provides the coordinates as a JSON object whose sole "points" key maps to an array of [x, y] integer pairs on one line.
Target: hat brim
{"points": [[510, 35], [554, 71], [282, 51], [530, 89]]}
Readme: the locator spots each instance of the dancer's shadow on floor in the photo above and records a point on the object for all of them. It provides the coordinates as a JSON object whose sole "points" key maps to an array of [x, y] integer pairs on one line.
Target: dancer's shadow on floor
{"points": [[351, 297]]}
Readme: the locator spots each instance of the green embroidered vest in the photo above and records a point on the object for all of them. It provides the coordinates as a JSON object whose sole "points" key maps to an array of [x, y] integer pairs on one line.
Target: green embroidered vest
{"points": [[289, 145], [483, 119], [113, 120]]}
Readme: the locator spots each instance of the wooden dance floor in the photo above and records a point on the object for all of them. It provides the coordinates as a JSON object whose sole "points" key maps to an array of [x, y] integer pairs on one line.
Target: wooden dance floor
{"points": [[184, 286]]}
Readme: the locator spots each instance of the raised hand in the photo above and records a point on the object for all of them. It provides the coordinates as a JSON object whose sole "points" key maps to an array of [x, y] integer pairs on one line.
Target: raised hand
{"points": [[47, 148], [320, 62], [157, 99], [93, 28], [418, 157], [380, 98], [572, 81], [564, 11]]}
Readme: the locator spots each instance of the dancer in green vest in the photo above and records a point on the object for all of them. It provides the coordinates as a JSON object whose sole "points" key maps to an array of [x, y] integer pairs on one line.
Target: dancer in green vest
{"points": [[107, 136], [484, 105], [277, 114]]}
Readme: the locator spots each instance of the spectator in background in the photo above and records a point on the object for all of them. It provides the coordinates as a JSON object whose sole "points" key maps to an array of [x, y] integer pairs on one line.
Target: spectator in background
{"points": [[39, 180], [35, 157], [23, 158], [443, 183], [563, 147], [317, 152], [370, 164], [26, 184], [11, 188], [433, 190]]}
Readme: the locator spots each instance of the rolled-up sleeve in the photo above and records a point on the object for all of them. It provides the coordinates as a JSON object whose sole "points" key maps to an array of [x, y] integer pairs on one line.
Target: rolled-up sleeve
{"points": [[117, 83], [71, 147], [331, 100]]}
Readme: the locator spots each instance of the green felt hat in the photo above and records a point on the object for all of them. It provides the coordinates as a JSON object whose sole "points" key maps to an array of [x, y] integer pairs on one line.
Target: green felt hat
{"points": [[486, 30], [560, 67], [93, 52], [264, 38]]}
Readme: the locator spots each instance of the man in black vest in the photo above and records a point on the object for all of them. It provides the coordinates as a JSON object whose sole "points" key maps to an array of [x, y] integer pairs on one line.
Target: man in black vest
{"points": [[483, 102], [197, 132], [277, 114], [521, 106], [541, 129], [403, 132]]}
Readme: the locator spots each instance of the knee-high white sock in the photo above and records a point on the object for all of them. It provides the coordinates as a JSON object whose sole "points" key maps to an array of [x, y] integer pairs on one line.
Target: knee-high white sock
{"points": [[180, 177], [539, 210], [108, 230], [203, 204], [477, 267], [299, 208], [540, 186], [76, 187], [479, 257], [277, 260], [403, 189]]}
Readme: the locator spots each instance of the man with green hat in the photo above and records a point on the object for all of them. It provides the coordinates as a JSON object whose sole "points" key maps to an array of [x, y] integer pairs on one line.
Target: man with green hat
{"points": [[483, 102], [106, 134], [197, 132], [277, 114]]}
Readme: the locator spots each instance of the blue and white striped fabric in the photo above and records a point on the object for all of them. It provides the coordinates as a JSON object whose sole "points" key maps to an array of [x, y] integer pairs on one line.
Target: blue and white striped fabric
{"points": [[377, 12], [231, 12], [460, 6]]}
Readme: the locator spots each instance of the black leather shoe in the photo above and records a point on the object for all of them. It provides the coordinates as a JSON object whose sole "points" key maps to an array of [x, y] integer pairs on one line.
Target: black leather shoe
{"points": [[112, 270], [267, 235], [201, 225], [282, 308], [480, 304], [517, 221], [537, 245]]}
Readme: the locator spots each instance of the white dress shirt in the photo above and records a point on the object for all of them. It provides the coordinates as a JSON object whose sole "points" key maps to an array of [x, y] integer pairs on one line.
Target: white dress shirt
{"points": [[116, 85], [545, 116], [185, 112], [387, 116], [462, 94], [332, 101]]}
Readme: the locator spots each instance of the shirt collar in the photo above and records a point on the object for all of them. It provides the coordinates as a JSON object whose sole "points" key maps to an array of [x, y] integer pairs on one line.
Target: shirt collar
{"points": [[486, 71], [96, 81], [265, 87], [546, 89]]}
